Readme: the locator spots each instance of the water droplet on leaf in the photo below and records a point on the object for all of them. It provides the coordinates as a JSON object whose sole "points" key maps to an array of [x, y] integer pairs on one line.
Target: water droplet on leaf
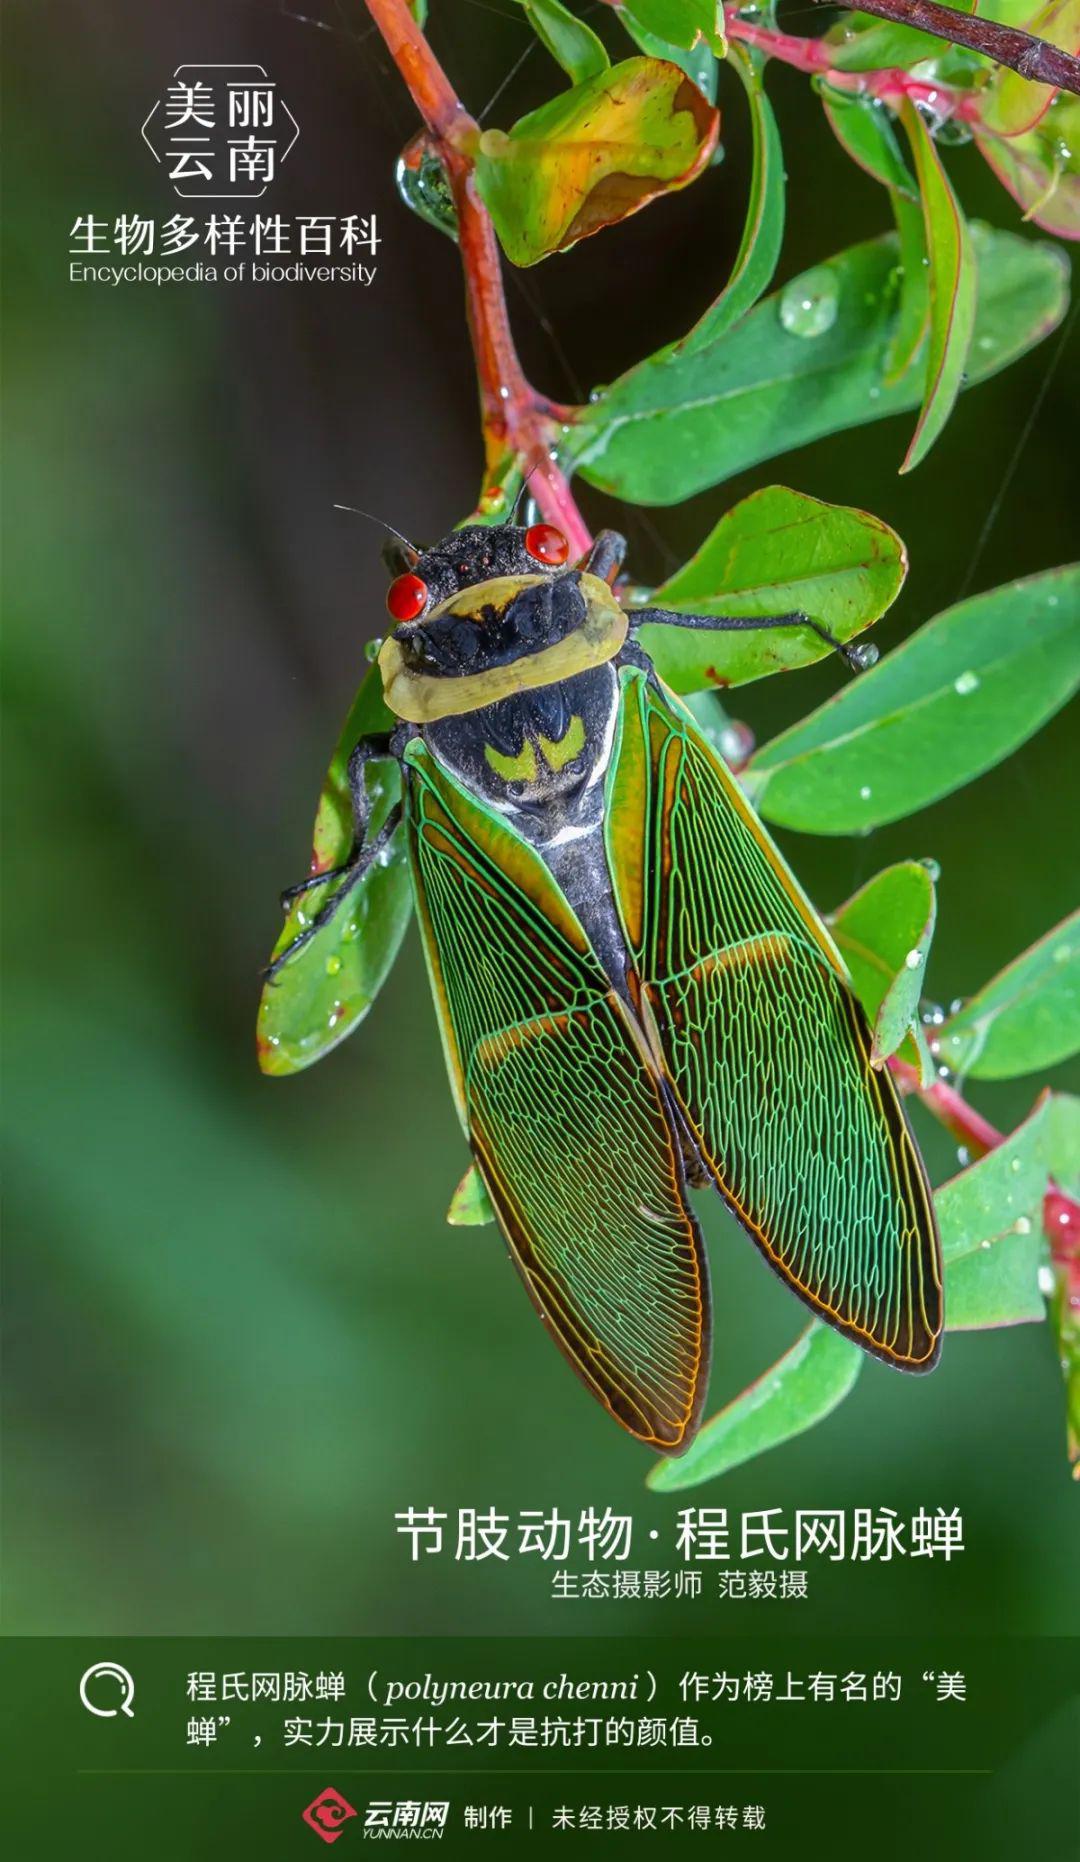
{"points": [[951, 131], [913, 959], [966, 683], [933, 868], [808, 305]]}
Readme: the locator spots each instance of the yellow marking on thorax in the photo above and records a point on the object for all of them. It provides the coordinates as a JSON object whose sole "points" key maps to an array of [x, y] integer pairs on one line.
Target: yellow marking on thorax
{"points": [[519, 768], [423, 698], [558, 755], [524, 767]]}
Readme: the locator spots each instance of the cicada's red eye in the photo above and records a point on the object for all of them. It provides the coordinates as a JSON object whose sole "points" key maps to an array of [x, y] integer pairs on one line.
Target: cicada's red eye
{"points": [[406, 597], [546, 544]]}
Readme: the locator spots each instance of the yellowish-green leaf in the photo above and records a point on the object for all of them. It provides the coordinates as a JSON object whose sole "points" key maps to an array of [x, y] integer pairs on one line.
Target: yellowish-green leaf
{"points": [[593, 155], [1012, 105], [470, 1205], [1041, 168]]}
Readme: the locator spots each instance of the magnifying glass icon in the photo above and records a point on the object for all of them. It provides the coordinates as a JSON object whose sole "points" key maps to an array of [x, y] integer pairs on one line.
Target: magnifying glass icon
{"points": [[111, 1673]]}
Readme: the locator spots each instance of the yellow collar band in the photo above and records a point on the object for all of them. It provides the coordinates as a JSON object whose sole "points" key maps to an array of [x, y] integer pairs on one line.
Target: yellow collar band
{"points": [[423, 698]]}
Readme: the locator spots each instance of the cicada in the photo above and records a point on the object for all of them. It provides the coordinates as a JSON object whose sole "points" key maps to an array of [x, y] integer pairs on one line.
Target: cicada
{"points": [[635, 995]]}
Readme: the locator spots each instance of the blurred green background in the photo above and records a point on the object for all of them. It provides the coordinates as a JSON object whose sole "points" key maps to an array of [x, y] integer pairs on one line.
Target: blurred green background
{"points": [[240, 1334]]}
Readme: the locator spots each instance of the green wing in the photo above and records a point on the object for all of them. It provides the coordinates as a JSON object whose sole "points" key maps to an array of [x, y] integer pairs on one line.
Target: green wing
{"points": [[767, 1049], [568, 1119]]}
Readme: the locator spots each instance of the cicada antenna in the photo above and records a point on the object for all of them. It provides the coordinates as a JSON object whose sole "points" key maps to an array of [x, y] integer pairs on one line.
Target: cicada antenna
{"points": [[382, 523], [521, 493]]}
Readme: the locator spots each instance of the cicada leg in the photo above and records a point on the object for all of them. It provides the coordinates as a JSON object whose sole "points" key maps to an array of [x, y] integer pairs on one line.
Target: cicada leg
{"points": [[361, 854], [860, 656]]}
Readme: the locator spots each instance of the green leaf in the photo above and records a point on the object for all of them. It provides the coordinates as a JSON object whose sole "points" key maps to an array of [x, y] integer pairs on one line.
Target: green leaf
{"points": [[1063, 1142], [982, 1204], [470, 1205], [1026, 1019], [859, 42], [1063, 1226], [699, 63], [325, 991], [1065, 1321], [675, 424], [913, 316], [763, 232], [592, 156], [998, 1287], [955, 699], [572, 44], [990, 1218], [801, 1389], [679, 22], [952, 287], [863, 126], [884, 934], [776, 552]]}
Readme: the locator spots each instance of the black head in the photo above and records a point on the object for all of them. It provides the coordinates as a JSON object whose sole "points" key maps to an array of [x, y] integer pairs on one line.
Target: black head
{"points": [[490, 611], [477, 553]]}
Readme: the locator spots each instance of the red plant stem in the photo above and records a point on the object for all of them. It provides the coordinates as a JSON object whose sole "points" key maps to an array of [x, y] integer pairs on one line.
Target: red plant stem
{"points": [[1061, 1214], [516, 419], [889, 84], [803, 54]]}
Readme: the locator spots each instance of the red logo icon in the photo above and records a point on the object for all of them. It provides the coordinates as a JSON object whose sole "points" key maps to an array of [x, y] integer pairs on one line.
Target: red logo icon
{"points": [[327, 1814]]}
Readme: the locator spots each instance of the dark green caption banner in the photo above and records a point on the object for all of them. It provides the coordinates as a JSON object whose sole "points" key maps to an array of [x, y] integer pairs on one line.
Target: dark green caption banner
{"points": [[291, 1748]]}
